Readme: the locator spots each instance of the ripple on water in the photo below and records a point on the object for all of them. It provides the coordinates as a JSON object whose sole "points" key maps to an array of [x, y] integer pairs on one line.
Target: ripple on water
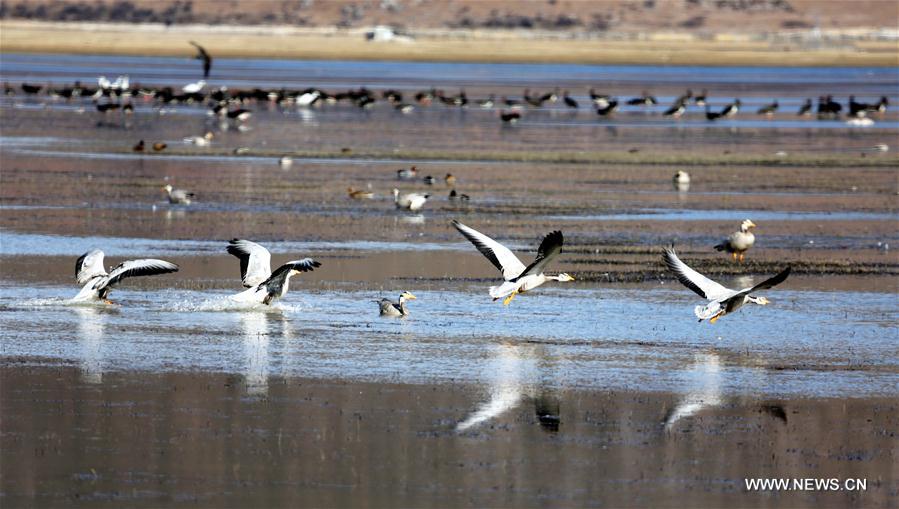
{"points": [[806, 343]]}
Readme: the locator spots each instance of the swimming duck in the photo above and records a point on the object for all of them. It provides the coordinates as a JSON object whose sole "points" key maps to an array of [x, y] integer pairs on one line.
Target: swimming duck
{"points": [[396, 309]]}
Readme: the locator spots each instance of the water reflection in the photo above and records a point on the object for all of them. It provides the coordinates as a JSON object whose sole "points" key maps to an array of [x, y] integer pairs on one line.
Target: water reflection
{"points": [[704, 390], [91, 332], [514, 379], [255, 328]]}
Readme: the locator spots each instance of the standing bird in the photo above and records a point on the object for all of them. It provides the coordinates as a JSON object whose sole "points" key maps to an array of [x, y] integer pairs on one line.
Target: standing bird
{"points": [[97, 282], [518, 278], [409, 201], [571, 103], [722, 300], [264, 286], [805, 109], [139, 147], [676, 110], [177, 196], [739, 242], [731, 109], [205, 57], [397, 309], [610, 108]]}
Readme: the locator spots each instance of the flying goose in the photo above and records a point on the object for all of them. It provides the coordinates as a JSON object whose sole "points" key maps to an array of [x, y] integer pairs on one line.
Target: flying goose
{"points": [[205, 57], [409, 201], [264, 286], [177, 196], [518, 278], [737, 243], [397, 308], [721, 300], [97, 282]]}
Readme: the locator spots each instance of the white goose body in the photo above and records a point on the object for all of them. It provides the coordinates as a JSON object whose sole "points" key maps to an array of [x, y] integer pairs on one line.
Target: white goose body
{"points": [[409, 201], [263, 285], [97, 282], [722, 300], [518, 277]]}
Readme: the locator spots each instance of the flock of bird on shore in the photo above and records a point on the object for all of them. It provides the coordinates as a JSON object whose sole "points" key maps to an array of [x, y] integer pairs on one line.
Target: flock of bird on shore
{"points": [[117, 95], [224, 103]]}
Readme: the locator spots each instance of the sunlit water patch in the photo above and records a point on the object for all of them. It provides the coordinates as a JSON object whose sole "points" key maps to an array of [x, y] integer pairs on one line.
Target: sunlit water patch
{"points": [[804, 343]]}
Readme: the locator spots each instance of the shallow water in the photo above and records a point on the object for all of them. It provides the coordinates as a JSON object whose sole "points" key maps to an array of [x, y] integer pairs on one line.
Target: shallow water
{"points": [[840, 343]]}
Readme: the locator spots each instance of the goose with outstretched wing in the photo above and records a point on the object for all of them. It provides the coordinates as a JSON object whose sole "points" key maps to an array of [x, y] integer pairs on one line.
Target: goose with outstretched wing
{"points": [[255, 261], [518, 277], [264, 285], [722, 300], [97, 282]]}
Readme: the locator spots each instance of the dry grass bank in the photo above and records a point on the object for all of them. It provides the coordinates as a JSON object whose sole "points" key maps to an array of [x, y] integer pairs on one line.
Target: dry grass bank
{"points": [[272, 42]]}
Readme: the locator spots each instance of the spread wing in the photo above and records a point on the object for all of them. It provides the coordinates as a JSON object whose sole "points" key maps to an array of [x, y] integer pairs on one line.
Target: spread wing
{"points": [[770, 282], [549, 248], [89, 266], [274, 283], [498, 254], [693, 280], [135, 268], [255, 261]]}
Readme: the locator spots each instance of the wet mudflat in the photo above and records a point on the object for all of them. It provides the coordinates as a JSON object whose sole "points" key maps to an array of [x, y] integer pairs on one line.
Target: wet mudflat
{"points": [[605, 391]]}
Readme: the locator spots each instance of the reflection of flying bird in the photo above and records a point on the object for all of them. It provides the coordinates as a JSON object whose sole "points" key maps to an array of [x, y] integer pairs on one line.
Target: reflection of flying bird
{"points": [[707, 393], [264, 285], [518, 278], [397, 308], [722, 300], [204, 56], [97, 282]]}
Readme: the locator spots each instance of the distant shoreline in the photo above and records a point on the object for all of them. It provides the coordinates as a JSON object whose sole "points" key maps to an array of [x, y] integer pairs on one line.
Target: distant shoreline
{"points": [[494, 47]]}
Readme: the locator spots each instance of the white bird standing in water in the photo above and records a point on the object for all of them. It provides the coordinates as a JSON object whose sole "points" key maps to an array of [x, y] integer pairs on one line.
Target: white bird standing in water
{"points": [[264, 285], [193, 88], [177, 196], [722, 300], [518, 278], [97, 282]]}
